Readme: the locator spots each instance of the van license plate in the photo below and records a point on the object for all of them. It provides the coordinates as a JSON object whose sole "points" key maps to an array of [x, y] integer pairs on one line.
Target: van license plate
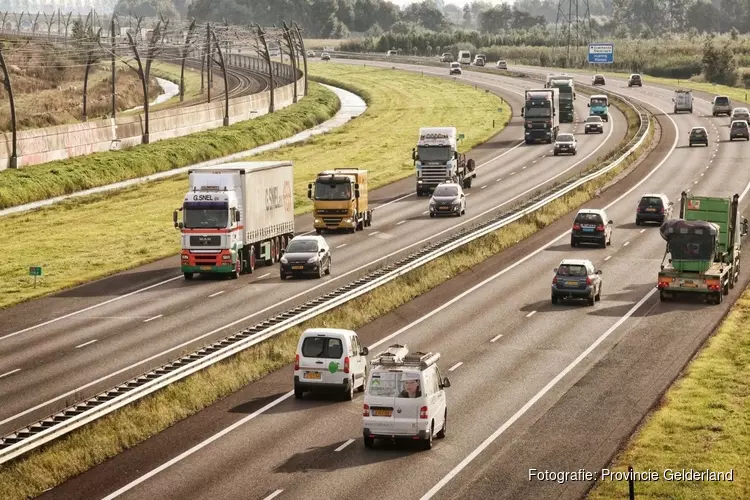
{"points": [[650, 210], [298, 267], [382, 413], [206, 268], [312, 375], [571, 283]]}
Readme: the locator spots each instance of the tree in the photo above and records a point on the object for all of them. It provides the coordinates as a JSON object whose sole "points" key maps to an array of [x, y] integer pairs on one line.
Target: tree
{"points": [[468, 20], [426, 15], [719, 64], [148, 8], [495, 19]]}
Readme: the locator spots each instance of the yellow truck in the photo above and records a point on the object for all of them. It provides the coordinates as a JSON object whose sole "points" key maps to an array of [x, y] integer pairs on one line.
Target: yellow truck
{"points": [[340, 200]]}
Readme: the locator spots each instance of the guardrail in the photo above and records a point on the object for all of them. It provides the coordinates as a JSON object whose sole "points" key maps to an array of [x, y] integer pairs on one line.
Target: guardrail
{"points": [[60, 423]]}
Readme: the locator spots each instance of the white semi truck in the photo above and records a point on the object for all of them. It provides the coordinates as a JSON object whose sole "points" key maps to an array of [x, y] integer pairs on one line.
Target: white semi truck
{"points": [[436, 160], [235, 215]]}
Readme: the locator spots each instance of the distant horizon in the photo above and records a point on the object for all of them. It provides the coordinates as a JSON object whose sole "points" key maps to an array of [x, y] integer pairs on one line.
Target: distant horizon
{"points": [[460, 3]]}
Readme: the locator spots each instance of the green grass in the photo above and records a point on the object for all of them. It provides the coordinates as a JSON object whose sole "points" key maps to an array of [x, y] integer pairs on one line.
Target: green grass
{"points": [[703, 423], [380, 140], [93, 444], [57, 178]]}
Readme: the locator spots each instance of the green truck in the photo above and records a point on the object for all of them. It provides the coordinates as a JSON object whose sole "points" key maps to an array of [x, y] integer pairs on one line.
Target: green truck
{"points": [[567, 96], [704, 245]]}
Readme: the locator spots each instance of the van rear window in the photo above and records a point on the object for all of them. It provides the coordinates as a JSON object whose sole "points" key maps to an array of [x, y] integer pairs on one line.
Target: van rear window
{"points": [[722, 101], [322, 347], [651, 202], [588, 219]]}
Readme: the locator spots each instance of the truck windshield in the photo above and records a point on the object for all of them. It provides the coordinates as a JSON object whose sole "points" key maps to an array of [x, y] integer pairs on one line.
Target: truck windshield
{"points": [[691, 247], [331, 191], [537, 112], [598, 102], [205, 215], [434, 153], [566, 93]]}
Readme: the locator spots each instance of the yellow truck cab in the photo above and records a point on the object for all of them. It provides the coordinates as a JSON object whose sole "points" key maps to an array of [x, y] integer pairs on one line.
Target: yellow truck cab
{"points": [[340, 200]]}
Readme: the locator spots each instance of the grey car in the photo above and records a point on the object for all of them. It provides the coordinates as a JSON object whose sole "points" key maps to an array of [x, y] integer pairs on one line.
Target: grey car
{"points": [[739, 130], [576, 279], [593, 124], [306, 255], [448, 199], [566, 143]]}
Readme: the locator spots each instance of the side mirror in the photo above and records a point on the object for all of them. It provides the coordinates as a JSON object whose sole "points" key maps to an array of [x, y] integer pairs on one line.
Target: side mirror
{"points": [[446, 382], [554, 270], [744, 226], [174, 218], [673, 99], [588, 105], [414, 153], [356, 191], [309, 191], [283, 251], [599, 271], [365, 351], [608, 105], [322, 250], [522, 111], [610, 222], [237, 216], [671, 203]]}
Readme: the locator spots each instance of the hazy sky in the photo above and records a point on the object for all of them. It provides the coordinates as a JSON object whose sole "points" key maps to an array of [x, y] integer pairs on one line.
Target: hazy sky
{"points": [[457, 2]]}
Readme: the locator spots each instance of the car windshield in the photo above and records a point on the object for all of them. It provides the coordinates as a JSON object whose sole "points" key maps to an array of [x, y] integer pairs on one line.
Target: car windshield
{"points": [[333, 190], [636, 77], [302, 246], [593, 119], [572, 270], [600, 101], [587, 218], [205, 215], [722, 101], [565, 138], [650, 201], [446, 191], [434, 153], [322, 347]]}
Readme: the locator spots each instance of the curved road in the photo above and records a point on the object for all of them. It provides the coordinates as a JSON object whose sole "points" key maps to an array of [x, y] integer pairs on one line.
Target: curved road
{"points": [[533, 386], [87, 339]]}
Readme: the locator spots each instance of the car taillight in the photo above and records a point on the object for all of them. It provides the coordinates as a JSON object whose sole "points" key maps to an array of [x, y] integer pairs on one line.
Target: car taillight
{"points": [[600, 227], [588, 280], [423, 413], [662, 209], [638, 210], [576, 227], [554, 280], [365, 410], [346, 364], [296, 362]]}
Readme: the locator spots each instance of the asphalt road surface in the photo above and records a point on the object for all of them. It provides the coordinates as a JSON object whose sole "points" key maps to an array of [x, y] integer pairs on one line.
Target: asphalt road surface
{"points": [[534, 386], [67, 347]]}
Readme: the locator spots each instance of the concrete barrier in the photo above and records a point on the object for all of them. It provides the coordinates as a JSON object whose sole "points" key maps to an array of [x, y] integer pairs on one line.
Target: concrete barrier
{"points": [[66, 141]]}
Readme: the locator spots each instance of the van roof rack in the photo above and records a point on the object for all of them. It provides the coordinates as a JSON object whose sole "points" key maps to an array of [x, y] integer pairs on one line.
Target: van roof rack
{"points": [[398, 355]]}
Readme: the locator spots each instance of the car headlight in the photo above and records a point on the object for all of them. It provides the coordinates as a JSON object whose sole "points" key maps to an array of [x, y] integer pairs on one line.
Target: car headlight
{"points": [[312, 260], [432, 203], [284, 261]]}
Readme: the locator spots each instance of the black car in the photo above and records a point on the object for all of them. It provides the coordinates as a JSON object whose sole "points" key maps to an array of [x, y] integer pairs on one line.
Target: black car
{"points": [[698, 135], [598, 80], [306, 255], [738, 130], [635, 81], [591, 226], [653, 208]]}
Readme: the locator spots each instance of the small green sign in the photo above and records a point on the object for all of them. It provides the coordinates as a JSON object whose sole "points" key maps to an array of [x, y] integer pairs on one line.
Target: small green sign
{"points": [[333, 367], [461, 137], [35, 271]]}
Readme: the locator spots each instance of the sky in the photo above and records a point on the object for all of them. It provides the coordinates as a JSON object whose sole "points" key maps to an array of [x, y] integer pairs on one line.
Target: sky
{"points": [[456, 2]]}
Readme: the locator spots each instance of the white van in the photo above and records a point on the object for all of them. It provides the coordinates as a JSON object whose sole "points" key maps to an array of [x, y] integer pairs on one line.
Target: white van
{"points": [[464, 57], [405, 398], [330, 360]]}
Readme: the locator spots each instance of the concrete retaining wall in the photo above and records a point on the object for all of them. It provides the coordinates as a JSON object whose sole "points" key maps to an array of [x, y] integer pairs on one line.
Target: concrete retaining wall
{"points": [[65, 141]]}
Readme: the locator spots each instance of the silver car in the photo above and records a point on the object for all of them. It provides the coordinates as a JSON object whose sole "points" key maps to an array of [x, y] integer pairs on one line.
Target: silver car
{"points": [[566, 143], [448, 199]]}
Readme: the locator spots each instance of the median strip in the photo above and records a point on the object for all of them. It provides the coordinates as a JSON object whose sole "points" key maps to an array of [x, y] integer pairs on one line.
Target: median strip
{"points": [[117, 431]]}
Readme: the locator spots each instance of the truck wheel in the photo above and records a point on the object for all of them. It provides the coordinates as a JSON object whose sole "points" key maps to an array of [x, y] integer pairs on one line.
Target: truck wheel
{"points": [[271, 253], [725, 290], [237, 268], [251, 260], [662, 296], [188, 276], [470, 165]]}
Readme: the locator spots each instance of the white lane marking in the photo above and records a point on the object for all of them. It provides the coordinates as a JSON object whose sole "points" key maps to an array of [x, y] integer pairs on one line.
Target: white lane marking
{"points": [[483, 187], [696, 182], [496, 338], [10, 372], [400, 222], [273, 495], [75, 313], [152, 318], [215, 294], [643, 231], [702, 174], [85, 344], [455, 367], [531, 402], [343, 275], [344, 445], [534, 161], [626, 243], [531, 314], [607, 258], [512, 173], [425, 212], [374, 233], [199, 446], [498, 179], [344, 244], [524, 167], [467, 194], [264, 276]]}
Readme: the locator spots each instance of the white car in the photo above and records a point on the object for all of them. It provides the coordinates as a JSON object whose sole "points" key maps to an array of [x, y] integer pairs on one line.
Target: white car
{"points": [[330, 360], [502, 65], [448, 199], [405, 398], [325, 56], [455, 68], [566, 143]]}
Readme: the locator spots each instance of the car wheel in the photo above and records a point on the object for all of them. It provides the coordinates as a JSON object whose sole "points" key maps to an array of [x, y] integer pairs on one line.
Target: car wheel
{"points": [[638, 222], [554, 300], [573, 242], [441, 434], [598, 295], [369, 442], [427, 443], [432, 215], [320, 272], [298, 393], [349, 393], [592, 300], [328, 269]]}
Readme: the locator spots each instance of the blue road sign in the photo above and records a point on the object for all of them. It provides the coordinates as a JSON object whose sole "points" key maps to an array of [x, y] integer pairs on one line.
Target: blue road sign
{"points": [[601, 53]]}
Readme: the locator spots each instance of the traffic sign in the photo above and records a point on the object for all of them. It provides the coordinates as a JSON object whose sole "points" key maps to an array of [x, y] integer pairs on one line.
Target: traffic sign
{"points": [[601, 53], [35, 271]]}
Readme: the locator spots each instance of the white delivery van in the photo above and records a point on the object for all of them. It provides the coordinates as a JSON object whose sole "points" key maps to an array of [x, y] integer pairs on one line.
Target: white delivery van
{"points": [[329, 360], [464, 57], [683, 101], [405, 397]]}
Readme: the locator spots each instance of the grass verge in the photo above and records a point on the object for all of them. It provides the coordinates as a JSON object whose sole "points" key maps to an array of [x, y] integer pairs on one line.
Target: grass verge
{"points": [[93, 444], [703, 423], [141, 215], [39, 182]]}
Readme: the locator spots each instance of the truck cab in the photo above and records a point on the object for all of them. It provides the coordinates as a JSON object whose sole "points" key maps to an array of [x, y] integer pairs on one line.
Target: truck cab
{"points": [[541, 114], [436, 159], [599, 106], [340, 200]]}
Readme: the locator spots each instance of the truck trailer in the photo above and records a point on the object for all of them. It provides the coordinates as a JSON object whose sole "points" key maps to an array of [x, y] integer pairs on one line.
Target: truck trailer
{"points": [[234, 215], [704, 245], [340, 200], [541, 115], [566, 86], [436, 160]]}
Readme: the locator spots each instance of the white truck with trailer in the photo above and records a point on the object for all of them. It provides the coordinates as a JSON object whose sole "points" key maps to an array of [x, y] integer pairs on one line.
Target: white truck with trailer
{"points": [[234, 215]]}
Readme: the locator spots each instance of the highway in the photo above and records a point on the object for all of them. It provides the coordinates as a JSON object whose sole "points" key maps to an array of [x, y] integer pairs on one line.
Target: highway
{"points": [[534, 386], [70, 346]]}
